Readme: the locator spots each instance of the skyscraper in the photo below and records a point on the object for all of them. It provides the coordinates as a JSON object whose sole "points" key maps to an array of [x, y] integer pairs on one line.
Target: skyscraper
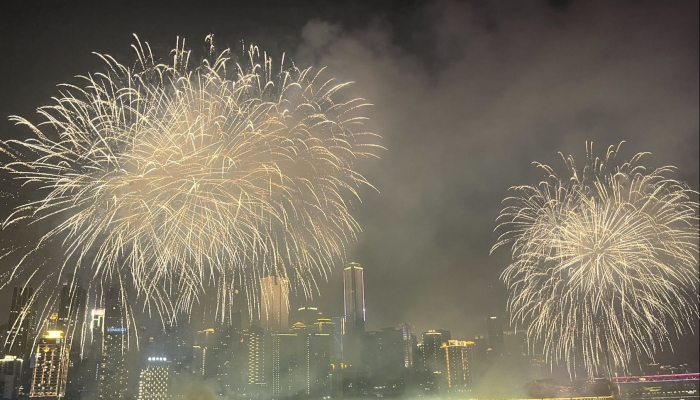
{"points": [[70, 319], [11, 369], [432, 356], [274, 304], [383, 361], [155, 378], [50, 372], [354, 296], [495, 331], [288, 366], [458, 357], [94, 355], [318, 365], [255, 338], [112, 382], [205, 351], [407, 339], [19, 323], [338, 333], [354, 299], [20, 328], [70, 308]]}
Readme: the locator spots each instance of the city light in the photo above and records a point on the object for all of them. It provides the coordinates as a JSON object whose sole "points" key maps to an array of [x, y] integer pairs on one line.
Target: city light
{"points": [[213, 220], [54, 335]]}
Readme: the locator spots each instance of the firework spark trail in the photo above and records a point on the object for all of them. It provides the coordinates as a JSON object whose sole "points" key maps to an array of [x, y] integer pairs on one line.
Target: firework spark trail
{"points": [[604, 261], [171, 178]]}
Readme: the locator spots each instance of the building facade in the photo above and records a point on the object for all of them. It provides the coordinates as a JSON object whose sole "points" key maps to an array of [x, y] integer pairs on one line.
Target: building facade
{"points": [[11, 368], [112, 372], [495, 331], [354, 301], [155, 379], [459, 362], [288, 370], [255, 340], [50, 373], [354, 298], [383, 362], [317, 352]]}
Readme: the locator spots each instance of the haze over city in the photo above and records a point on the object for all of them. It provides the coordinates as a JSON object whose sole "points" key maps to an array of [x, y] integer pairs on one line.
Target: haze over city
{"points": [[463, 96]]}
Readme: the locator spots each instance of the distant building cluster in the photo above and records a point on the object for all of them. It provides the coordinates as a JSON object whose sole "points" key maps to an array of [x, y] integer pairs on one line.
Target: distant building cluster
{"points": [[283, 355]]}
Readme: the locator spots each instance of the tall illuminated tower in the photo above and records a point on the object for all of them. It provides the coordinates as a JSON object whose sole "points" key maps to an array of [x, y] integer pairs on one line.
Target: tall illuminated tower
{"points": [[112, 382], [154, 381], [274, 304], [50, 372], [354, 296]]}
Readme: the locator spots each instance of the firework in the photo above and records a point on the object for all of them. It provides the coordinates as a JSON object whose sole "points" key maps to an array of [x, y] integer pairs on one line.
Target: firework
{"points": [[170, 178], [604, 261]]}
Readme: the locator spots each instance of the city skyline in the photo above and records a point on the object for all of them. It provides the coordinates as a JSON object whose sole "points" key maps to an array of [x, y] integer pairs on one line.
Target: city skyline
{"points": [[465, 96], [301, 360]]}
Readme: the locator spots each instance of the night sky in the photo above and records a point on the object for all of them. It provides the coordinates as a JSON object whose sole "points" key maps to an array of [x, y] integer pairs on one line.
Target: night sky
{"points": [[466, 95]]}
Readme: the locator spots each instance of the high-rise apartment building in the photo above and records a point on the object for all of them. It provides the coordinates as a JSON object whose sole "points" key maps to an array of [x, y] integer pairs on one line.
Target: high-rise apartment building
{"points": [[255, 339], [205, 353], [93, 357], [155, 379], [317, 352], [112, 374], [459, 356], [230, 359], [288, 366], [20, 331], [495, 331], [50, 373], [11, 369], [383, 361], [18, 337], [274, 304], [337, 345], [70, 319], [432, 356], [407, 339], [70, 308]]}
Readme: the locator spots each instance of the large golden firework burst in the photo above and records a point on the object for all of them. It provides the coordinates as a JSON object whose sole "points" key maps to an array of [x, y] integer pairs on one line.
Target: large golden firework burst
{"points": [[604, 260], [170, 177]]}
